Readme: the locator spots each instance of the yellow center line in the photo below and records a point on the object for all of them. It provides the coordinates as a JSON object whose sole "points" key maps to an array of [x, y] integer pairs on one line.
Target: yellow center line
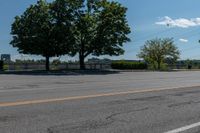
{"points": [[29, 102]]}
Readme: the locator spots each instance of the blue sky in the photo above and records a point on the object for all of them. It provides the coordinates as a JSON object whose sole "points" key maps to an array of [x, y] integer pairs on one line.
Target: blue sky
{"points": [[148, 19]]}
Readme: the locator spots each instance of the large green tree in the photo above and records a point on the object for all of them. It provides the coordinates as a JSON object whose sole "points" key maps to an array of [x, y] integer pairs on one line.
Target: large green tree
{"points": [[84, 27], [100, 27], [157, 51], [38, 31]]}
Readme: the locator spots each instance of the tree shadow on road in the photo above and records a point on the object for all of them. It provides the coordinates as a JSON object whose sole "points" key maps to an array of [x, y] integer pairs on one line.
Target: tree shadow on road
{"points": [[60, 73]]}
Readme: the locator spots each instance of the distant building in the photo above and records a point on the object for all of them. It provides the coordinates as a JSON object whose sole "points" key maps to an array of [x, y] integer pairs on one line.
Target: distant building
{"points": [[6, 57], [99, 61]]}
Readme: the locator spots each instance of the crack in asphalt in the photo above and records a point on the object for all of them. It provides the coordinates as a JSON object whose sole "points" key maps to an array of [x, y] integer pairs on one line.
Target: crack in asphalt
{"points": [[186, 93], [142, 99], [180, 104], [127, 112], [183, 104], [79, 127], [151, 98], [90, 124]]}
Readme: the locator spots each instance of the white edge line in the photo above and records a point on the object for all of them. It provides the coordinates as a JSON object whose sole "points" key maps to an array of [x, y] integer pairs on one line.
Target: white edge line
{"points": [[178, 130]]}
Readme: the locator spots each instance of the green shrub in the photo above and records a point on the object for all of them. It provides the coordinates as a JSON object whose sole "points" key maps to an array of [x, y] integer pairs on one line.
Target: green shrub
{"points": [[163, 67], [6, 67], [128, 65]]}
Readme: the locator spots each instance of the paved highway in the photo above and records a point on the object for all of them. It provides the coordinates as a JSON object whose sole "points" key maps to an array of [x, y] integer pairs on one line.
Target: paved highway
{"points": [[134, 102]]}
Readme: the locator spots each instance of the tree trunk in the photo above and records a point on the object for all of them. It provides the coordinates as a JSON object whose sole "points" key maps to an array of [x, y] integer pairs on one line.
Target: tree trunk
{"points": [[159, 65], [47, 63], [82, 62]]}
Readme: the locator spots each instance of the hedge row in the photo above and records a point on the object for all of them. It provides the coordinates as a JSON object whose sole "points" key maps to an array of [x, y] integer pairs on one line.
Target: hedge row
{"points": [[129, 65]]}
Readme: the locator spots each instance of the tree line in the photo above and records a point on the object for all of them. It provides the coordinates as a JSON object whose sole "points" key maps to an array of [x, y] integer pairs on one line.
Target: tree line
{"points": [[71, 27]]}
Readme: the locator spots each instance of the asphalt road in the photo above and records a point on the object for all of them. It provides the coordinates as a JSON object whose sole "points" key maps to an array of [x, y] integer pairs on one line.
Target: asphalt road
{"points": [[135, 102]]}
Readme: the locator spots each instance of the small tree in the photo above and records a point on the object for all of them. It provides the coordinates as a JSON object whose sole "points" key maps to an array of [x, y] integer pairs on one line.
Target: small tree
{"points": [[156, 51], [37, 32]]}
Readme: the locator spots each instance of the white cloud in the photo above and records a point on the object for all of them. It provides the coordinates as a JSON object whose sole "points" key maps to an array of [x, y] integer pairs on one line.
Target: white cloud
{"points": [[183, 40], [180, 22]]}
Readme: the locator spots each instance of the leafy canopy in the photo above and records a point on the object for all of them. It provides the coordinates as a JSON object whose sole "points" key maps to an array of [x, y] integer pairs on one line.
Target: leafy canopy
{"points": [[84, 27], [38, 31], [101, 28], [156, 51]]}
